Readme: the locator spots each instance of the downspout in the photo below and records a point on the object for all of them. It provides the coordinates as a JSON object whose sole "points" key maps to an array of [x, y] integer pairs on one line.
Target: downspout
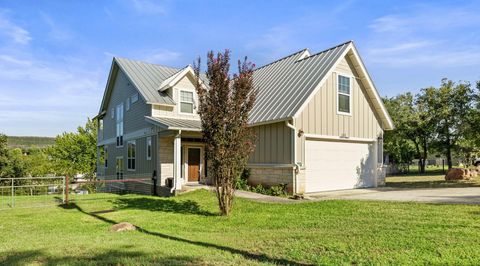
{"points": [[294, 155], [174, 187]]}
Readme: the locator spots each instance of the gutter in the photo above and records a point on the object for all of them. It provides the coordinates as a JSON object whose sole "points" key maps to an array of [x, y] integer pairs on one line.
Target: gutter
{"points": [[294, 155]]}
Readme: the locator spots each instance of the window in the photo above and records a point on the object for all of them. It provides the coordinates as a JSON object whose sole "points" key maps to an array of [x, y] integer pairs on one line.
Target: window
{"points": [[134, 98], [186, 102], [343, 94], [120, 125], [127, 104], [131, 146], [105, 156], [100, 128], [380, 150], [149, 148], [119, 167]]}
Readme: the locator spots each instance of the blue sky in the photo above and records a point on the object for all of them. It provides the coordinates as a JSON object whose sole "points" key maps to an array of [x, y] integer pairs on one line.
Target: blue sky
{"points": [[55, 55]]}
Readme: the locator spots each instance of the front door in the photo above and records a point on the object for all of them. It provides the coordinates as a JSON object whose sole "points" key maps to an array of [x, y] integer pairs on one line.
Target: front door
{"points": [[193, 164]]}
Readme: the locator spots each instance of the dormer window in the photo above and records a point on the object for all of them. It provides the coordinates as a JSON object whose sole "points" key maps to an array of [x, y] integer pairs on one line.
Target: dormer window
{"points": [[186, 102]]}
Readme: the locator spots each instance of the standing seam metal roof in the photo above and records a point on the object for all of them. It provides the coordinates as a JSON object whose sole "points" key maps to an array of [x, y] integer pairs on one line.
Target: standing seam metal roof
{"points": [[283, 85], [147, 79]]}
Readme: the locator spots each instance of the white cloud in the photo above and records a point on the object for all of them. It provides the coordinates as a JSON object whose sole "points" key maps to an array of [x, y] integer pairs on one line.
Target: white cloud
{"points": [[426, 36], [148, 7], [57, 32], [16, 33], [160, 56]]}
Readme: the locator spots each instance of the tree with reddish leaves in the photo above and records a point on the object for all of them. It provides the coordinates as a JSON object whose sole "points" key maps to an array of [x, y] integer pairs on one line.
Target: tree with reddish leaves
{"points": [[224, 107]]}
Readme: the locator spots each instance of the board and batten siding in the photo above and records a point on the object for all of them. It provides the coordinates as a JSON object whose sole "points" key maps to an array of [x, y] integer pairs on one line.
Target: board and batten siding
{"points": [[320, 116], [186, 83], [133, 123], [273, 145]]}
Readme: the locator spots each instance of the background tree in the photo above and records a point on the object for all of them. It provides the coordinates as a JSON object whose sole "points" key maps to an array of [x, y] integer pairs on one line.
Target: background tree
{"points": [[3, 155], [224, 108], [413, 129], [450, 107], [76, 153]]}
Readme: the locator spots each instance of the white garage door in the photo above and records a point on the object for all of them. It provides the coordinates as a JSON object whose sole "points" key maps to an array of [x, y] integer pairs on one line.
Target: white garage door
{"points": [[333, 165]]}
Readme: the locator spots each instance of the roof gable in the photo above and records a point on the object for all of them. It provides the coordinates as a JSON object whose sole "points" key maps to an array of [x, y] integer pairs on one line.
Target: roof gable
{"points": [[371, 91], [284, 85]]}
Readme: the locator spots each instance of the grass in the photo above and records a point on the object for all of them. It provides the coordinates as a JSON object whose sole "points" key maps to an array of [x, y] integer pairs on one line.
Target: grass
{"points": [[186, 230], [433, 178]]}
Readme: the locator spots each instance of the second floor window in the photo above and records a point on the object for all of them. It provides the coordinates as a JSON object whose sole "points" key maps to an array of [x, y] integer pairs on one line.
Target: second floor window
{"points": [[343, 95], [100, 128], [119, 122], [186, 102], [131, 155]]}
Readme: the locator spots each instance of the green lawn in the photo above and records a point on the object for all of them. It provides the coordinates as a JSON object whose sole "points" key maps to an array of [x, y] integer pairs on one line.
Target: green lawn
{"points": [[431, 179], [186, 230]]}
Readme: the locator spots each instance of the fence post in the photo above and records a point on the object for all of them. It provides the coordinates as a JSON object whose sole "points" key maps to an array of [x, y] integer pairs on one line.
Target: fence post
{"points": [[63, 189], [66, 189], [13, 195]]}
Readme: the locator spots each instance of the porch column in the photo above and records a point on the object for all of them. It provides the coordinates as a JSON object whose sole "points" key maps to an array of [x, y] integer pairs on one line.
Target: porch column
{"points": [[177, 161]]}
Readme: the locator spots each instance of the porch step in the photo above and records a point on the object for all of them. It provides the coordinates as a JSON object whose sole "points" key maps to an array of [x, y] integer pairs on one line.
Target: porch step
{"points": [[192, 187]]}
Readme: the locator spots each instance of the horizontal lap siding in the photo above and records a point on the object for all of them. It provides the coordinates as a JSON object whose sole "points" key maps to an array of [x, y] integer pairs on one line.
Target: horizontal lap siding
{"points": [[273, 145]]}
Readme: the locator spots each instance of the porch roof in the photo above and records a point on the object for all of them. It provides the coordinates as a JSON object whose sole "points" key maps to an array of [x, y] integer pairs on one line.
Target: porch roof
{"points": [[175, 123]]}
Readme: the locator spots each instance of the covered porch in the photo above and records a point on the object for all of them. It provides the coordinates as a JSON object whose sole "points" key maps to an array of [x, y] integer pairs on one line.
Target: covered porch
{"points": [[181, 153]]}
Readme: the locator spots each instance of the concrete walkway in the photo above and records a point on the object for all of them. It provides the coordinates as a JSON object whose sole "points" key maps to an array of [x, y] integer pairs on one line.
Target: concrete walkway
{"points": [[468, 195], [262, 198]]}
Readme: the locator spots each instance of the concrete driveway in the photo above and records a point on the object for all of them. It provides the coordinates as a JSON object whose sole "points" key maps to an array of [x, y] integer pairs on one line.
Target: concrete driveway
{"points": [[467, 195]]}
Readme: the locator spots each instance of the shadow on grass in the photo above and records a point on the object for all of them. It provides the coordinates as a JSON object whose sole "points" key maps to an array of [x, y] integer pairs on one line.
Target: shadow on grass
{"points": [[243, 253], [162, 205], [111, 257]]}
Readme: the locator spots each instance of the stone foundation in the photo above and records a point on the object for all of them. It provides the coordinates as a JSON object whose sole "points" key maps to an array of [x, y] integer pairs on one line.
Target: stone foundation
{"points": [[271, 175]]}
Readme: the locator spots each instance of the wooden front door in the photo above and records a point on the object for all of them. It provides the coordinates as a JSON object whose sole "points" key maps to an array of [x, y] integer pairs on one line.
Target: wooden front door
{"points": [[193, 164]]}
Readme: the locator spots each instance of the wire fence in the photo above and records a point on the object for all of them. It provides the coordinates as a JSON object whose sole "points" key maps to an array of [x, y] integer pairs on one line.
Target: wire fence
{"points": [[25, 192], [30, 192]]}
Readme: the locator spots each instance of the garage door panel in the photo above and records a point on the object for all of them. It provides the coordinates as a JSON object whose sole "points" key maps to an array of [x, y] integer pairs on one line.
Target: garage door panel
{"points": [[334, 165]]}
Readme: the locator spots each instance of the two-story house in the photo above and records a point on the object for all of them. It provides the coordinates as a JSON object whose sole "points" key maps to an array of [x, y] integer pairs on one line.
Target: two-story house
{"points": [[318, 117]]}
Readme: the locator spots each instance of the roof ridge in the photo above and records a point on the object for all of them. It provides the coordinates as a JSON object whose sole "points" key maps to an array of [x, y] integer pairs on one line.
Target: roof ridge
{"points": [[326, 50], [285, 57], [143, 62]]}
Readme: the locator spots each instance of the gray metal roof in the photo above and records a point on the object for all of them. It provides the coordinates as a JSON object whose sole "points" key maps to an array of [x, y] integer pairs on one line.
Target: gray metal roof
{"points": [[175, 123], [284, 85], [147, 78]]}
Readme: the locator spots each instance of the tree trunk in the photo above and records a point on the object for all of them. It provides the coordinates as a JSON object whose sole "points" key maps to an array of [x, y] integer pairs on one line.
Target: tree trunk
{"points": [[449, 157], [424, 156]]}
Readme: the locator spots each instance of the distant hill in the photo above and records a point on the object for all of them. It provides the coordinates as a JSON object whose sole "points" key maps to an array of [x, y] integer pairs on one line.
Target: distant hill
{"points": [[29, 142]]}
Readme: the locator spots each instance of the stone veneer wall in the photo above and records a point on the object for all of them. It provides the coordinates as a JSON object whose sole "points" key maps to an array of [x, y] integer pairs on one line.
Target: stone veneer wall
{"points": [[165, 159], [271, 176]]}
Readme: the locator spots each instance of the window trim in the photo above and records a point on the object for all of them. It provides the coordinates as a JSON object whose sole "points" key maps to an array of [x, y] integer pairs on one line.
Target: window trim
{"points": [[127, 104], [180, 101], [119, 170], [119, 137], [105, 156], [350, 95], [149, 148], [133, 158]]}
